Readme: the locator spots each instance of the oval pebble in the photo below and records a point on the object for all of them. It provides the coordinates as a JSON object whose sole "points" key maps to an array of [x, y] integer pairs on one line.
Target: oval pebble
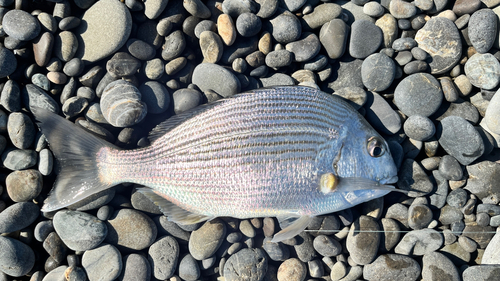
{"points": [[483, 30], [483, 71], [20, 25], [279, 58], [436, 265], [320, 15], [378, 72], [248, 24], [189, 269], [18, 159], [211, 46], [418, 94], [460, 139], [18, 216], [32, 95], [135, 267], [304, 49], [492, 114], [155, 96], [10, 97], [419, 128], [206, 240], [130, 230], [292, 270], [365, 39], [363, 246], [78, 230], [102, 263], [121, 104], [285, 27], [21, 130], [450, 169], [380, 114], [392, 266], [163, 255], [24, 185], [17, 258], [208, 76], [185, 99], [247, 264], [326, 246]]}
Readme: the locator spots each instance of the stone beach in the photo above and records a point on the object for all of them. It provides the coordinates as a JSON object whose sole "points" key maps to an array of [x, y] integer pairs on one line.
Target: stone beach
{"points": [[424, 73]]}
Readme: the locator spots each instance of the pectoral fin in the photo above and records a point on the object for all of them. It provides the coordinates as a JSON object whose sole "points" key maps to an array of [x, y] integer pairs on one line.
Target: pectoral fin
{"points": [[172, 211], [291, 226]]}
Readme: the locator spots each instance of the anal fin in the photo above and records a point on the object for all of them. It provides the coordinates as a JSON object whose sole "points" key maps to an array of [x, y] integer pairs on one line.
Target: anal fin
{"points": [[291, 226], [172, 211]]}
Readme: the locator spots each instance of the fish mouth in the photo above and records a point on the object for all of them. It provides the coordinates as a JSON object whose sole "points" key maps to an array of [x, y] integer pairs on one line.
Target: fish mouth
{"points": [[389, 180]]}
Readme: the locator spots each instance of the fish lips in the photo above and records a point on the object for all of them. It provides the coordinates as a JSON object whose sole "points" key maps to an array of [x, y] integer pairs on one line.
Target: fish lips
{"points": [[389, 180]]}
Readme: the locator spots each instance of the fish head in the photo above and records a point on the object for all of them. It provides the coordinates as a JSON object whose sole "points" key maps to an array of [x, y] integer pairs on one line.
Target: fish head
{"points": [[363, 169]]}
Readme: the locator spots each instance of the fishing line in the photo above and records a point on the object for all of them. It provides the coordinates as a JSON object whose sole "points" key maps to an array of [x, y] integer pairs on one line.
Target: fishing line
{"points": [[398, 231]]}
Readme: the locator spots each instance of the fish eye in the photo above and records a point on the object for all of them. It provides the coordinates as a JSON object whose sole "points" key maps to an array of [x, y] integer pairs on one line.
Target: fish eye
{"points": [[375, 147]]}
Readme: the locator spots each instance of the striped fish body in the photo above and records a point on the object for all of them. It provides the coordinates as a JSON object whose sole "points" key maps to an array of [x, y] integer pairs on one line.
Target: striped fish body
{"points": [[256, 154]]}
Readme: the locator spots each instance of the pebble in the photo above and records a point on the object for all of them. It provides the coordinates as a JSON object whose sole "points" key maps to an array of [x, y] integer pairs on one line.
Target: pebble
{"points": [[130, 230], [402, 9], [102, 263], [240, 49], [25, 185], [41, 81], [42, 230], [419, 242], [392, 266], [450, 168], [326, 246], [315, 268], [10, 97], [175, 65], [285, 27], [21, 130], [17, 258], [247, 229], [135, 267], [457, 198], [292, 270], [121, 104], [492, 114], [466, 147], [483, 29], [122, 64], [189, 269], [380, 114], [208, 76], [163, 255], [365, 39], [154, 69], [377, 72], [235, 7], [279, 58], [248, 24], [481, 181], [226, 29], [418, 94], [68, 23], [107, 29], [206, 240], [413, 178], [247, 264], [8, 62], [305, 48], [34, 96], [185, 99], [320, 15], [419, 128], [275, 251], [78, 230], [42, 48], [155, 96], [20, 25], [483, 71], [441, 40], [348, 74], [18, 216], [54, 246], [204, 25], [481, 272], [211, 46], [18, 159], [419, 216], [436, 265], [363, 246]]}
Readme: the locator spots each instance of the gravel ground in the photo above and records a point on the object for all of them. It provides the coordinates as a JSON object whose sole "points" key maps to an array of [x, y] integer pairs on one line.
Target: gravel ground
{"points": [[424, 74]]}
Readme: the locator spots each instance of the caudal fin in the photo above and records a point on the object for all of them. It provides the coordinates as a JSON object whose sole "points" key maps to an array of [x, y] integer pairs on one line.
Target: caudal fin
{"points": [[76, 150]]}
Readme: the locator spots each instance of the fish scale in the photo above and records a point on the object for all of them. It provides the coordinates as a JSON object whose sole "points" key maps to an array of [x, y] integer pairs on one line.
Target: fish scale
{"points": [[260, 153]]}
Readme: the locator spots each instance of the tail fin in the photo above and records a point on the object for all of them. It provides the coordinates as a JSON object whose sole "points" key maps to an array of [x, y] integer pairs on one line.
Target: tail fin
{"points": [[76, 150]]}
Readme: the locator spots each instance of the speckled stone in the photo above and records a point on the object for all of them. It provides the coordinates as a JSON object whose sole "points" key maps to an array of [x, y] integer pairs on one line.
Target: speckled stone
{"points": [[483, 71], [377, 72], [163, 256], [436, 266], [441, 40], [285, 27], [419, 242], [130, 230], [247, 264], [365, 39], [419, 128], [20, 25], [363, 246], [418, 94], [102, 263], [483, 30], [392, 266], [206, 240]]}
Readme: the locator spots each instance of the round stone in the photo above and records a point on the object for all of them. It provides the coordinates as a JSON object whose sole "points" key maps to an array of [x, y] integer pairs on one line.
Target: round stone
{"points": [[483, 30], [189, 269], [441, 39], [436, 265], [23, 186], [163, 255], [140, 49], [248, 24], [204, 25], [185, 99], [208, 76], [8, 62], [211, 46], [292, 270], [373, 9], [304, 49], [135, 267], [320, 15], [418, 94], [402, 9], [65, 45], [326, 246], [156, 97], [392, 266], [285, 27], [130, 230], [21, 130], [366, 38], [17, 258], [205, 241], [107, 29], [377, 72], [78, 230], [419, 128], [419, 216], [18, 216], [450, 168], [102, 263], [460, 139], [247, 264], [20, 25], [279, 58], [483, 71]]}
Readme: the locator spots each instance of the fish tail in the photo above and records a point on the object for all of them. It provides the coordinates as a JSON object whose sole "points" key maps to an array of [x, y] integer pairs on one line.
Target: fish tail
{"points": [[77, 152]]}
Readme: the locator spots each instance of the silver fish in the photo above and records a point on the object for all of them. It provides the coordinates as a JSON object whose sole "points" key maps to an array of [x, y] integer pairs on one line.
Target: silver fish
{"points": [[289, 152]]}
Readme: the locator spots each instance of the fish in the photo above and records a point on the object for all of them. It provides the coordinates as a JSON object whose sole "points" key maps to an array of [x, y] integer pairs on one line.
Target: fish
{"points": [[289, 152]]}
